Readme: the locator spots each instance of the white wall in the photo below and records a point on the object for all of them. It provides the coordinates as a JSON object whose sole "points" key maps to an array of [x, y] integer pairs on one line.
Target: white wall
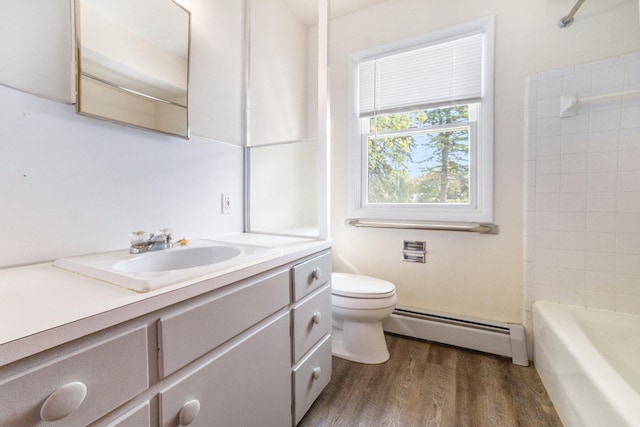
{"points": [[582, 201], [71, 185], [474, 275]]}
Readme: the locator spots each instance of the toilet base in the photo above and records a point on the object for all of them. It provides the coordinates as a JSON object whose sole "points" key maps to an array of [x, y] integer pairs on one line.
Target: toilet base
{"points": [[360, 342]]}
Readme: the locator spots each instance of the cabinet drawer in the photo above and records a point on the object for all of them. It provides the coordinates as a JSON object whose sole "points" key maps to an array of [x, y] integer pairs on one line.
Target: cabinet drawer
{"points": [[112, 371], [247, 383], [140, 416], [310, 377], [200, 327], [310, 275], [311, 320]]}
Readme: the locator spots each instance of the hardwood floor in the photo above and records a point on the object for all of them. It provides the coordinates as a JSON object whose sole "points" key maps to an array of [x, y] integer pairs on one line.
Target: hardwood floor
{"points": [[429, 384]]}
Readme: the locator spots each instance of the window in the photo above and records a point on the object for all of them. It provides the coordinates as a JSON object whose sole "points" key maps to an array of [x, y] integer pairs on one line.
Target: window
{"points": [[422, 127]]}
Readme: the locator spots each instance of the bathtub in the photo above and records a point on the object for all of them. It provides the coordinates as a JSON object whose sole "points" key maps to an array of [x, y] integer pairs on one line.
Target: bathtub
{"points": [[589, 362]]}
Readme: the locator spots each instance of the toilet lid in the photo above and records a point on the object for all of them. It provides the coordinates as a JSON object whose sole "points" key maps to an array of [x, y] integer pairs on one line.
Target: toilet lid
{"points": [[358, 286]]}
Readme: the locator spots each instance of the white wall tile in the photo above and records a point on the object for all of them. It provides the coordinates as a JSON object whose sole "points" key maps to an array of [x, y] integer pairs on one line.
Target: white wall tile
{"points": [[627, 222], [573, 183], [604, 141], [629, 160], [577, 83], [630, 139], [629, 181], [629, 202], [600, 242], [601, 202], [604, 222], [548, 165], [630, 117], [575, 143], [572, 240], [601, 281], [572, 259], [602, 182], [628, 243], [573, 163], [610, 78], [573, 202], [601, 261], [572, 221], [603, 162], [582, 237], [604, 120], [575, 125], [547, 183], [601, 300]]}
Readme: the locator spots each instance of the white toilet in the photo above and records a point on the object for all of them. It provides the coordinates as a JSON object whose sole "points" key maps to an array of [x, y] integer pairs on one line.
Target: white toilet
{"points": [[359, 304]]}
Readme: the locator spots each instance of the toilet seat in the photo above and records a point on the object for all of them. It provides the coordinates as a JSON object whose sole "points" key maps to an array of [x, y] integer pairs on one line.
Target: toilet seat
{"points": [[358, 286]]}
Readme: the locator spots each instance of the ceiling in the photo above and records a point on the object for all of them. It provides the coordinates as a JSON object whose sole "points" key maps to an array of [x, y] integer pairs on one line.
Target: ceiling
{"points": [[308, 9]]}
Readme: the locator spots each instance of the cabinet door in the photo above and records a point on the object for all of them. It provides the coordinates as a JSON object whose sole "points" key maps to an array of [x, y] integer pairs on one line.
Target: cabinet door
{"points": [[248, 384]]}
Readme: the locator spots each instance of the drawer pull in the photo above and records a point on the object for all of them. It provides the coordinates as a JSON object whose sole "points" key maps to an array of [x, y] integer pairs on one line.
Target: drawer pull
{"points": [[63, 401], [316, 273], [317, 317], [316, 372], [189, 412]]}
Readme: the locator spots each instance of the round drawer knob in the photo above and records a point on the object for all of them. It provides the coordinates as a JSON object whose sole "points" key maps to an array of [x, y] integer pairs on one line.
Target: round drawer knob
{"points": [[317, 317], [317, 371], [316, 273], [189, 412], [63, 401]]}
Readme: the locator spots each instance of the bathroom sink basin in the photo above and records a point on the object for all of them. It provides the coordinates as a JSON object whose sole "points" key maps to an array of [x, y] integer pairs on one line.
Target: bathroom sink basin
{"points": [[168, 260], [154, 270]]}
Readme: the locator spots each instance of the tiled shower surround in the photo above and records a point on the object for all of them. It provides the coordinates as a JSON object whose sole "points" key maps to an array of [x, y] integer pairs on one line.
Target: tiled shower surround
{"points": [[582, 195]]}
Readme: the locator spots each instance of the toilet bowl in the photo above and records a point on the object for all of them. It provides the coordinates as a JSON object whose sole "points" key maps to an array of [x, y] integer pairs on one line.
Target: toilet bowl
{"points": [[359, 304]]}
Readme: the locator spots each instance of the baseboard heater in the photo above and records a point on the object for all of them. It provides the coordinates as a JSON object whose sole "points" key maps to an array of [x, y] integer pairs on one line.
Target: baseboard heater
{"points": [[504, 339]]}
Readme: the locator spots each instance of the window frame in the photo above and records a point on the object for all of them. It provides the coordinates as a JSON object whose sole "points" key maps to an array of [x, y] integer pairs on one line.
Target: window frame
{"points": [[481, 138]]}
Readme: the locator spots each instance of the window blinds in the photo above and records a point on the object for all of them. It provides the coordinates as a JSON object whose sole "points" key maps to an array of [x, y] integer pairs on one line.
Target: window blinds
{"points": [[444, 73]]}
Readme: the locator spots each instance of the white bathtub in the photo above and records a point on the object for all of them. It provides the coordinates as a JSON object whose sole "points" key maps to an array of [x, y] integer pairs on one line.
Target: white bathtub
{"points": [[589, 362]]}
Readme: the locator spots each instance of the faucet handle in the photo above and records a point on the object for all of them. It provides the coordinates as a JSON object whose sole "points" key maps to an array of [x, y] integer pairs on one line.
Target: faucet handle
{"points": [[138, 238], [167, 232]]}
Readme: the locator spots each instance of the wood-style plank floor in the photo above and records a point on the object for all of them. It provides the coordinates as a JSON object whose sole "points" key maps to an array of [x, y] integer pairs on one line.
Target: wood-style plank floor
{"points": [[429, 384]]}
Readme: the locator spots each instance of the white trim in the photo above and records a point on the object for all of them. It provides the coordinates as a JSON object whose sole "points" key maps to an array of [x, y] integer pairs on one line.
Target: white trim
{"points": [[483, 209]]}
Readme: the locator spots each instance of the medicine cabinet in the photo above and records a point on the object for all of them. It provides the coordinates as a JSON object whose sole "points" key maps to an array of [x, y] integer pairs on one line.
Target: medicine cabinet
{"points": [[133, 63]]}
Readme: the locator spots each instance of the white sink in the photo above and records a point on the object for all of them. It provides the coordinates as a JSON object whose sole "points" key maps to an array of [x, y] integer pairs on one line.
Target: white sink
{"points": [[153, 270], [168, 260]]}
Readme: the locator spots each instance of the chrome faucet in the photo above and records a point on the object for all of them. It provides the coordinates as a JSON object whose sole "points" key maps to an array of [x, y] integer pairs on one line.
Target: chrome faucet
{"points": [[140, 243]]}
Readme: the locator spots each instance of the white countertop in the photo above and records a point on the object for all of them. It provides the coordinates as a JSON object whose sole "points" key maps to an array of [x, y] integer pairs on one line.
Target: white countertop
{"points": [[42, 306]]}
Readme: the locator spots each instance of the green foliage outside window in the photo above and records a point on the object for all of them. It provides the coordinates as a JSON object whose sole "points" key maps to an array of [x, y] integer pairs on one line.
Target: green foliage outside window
{"points": [[422, 165]]}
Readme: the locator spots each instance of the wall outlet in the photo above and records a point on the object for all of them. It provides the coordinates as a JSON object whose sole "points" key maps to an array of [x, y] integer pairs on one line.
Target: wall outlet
{"points": [[226, 203]]}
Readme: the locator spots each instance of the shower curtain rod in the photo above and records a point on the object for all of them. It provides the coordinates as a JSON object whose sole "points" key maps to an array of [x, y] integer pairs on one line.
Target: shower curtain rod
{"points": [[568, 20]]}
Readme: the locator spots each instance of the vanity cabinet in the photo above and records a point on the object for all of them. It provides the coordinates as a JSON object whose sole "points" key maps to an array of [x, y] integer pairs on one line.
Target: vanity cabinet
{"points": [[256, 352]]}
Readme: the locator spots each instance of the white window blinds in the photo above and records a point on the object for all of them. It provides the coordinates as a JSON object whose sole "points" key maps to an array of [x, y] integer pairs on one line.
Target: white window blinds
{"points": [[448, 72]]}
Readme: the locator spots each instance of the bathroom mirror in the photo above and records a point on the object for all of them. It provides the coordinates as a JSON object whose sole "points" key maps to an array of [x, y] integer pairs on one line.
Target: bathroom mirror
{"points": [[133, 63]]}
